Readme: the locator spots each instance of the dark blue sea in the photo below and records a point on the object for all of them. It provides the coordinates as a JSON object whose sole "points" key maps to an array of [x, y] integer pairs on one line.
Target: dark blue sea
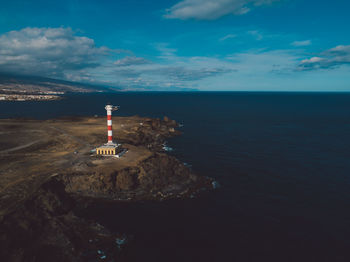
{"points": [[282, 159]]}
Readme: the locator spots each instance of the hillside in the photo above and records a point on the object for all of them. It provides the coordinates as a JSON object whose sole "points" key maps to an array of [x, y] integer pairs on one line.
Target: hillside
{"points": [[16, 84]]}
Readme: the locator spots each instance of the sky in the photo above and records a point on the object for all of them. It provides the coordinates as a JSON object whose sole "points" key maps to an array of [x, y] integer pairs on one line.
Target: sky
{"points": [[208, 45]]}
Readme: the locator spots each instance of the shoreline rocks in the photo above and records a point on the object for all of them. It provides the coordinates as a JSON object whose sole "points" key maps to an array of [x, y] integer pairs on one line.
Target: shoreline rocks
{"points": [[45, 226], [159, 177]]}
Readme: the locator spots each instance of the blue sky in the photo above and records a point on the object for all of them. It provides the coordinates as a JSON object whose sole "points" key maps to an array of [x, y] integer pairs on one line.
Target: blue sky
{"points": [[245, 45]]}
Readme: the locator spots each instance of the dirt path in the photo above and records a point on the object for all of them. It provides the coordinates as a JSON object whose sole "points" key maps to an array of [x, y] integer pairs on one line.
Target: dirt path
{"points": [[20, 147]]}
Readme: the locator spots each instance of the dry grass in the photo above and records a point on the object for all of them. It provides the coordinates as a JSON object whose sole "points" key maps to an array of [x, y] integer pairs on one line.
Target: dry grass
{"points": [[31, 151]]}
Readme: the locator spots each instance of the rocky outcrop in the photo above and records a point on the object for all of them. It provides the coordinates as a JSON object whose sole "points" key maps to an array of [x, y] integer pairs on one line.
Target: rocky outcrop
{"points": [[151, 133], [45, 228], [43, 224], [158, 177]]}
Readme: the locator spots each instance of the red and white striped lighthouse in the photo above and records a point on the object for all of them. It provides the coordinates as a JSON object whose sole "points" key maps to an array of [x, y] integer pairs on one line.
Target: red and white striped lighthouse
{"points": [[109, 109]]}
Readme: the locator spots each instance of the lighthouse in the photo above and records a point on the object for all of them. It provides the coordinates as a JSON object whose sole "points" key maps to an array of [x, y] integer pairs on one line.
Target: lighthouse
{"points": [[110, 148], [109, 109]]}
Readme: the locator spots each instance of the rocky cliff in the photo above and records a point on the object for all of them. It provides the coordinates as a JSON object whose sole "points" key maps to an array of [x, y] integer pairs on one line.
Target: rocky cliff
{"points": [[39, 199]]}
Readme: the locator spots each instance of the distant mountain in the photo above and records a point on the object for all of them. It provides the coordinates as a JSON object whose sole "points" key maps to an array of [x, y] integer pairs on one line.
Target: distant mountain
{"points": [[158, 89], [39, 85], [19, 84]]}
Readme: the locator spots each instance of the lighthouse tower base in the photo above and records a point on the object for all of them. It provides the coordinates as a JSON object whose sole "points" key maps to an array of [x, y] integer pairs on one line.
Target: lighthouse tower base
{"points": [[108, 149]]}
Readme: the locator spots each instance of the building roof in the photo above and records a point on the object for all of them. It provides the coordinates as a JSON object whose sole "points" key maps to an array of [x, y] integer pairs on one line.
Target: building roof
{"points": [[107, 147]]}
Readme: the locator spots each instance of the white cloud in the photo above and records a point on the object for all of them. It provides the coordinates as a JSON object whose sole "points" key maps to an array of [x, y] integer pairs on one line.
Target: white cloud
{"points": [[229, 36], [60, 53], [331, 58], [313, 60], [212, 9], [48, 52], [131, 60], [171, 70], [263, 62], [256, 34], [165, 50], [301, 43]]}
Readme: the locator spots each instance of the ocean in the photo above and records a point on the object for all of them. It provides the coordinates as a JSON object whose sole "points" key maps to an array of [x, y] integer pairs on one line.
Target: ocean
{"points": [[282, 160]]}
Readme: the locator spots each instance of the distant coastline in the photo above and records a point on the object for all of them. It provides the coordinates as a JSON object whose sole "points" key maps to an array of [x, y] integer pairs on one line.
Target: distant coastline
{"points": [[26, 97]]}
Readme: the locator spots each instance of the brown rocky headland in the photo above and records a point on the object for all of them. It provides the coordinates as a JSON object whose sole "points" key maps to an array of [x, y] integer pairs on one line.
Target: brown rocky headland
{"points": [[48, 168]]}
